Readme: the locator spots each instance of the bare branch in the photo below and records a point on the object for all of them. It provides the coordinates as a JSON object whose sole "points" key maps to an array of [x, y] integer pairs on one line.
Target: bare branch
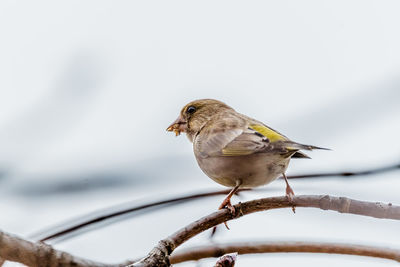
{"points": [[130, 210], [13, 248], [32, 254], [213, 251], [119, 212], [159, 255]]}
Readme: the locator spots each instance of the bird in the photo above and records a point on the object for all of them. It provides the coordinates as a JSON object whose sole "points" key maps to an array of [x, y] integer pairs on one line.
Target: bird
{"points": [[235, 150]]}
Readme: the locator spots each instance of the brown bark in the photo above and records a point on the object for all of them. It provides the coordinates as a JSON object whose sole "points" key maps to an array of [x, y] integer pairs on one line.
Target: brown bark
{"points": [[120, 212], [159, 255], [32, 254], [213, 251]]}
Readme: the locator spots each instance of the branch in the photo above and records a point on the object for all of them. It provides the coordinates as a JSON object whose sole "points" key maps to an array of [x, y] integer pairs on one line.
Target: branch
{"points": [[31, 254], [214, 251], [159, 256], [171, 201], [129, 210]]}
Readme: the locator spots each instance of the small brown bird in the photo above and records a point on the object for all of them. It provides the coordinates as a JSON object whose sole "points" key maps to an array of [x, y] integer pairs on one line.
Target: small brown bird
{"points": [[235, 150]]}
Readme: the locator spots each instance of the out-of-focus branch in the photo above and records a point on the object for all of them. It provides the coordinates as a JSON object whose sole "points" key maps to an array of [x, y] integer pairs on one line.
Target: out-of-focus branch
{"points": [[159, 256], [213, 251], [133, 209], [172, 201], [31, 254], [347, 173]]}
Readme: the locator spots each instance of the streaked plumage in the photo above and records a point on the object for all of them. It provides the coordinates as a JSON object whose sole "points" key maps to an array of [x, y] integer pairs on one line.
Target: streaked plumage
{"points": [[233, 149]]}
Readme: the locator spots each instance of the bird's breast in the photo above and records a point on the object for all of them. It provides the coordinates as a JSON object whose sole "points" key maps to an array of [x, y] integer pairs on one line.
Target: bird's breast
{"points": [[251, 170]]}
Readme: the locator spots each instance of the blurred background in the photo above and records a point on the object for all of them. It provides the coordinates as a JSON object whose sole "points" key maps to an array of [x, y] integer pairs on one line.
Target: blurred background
{"points": [[87, 89]]}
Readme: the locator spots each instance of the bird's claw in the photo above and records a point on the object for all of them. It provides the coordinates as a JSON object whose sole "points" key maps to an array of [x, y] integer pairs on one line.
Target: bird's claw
{"points": [[228, 205], [231, 209]]}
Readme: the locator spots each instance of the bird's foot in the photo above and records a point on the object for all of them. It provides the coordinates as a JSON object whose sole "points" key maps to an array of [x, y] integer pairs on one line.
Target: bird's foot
{"points": [[290, 195], [228, 205]]}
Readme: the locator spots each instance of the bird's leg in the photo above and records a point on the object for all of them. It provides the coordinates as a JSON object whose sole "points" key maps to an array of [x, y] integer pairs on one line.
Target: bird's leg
{"points": [[289, 192], [227, 201]]}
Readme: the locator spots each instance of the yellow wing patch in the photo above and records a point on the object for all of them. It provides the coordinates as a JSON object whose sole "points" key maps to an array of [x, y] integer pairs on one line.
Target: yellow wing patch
{"points": [[235, 152], [267, 132]]}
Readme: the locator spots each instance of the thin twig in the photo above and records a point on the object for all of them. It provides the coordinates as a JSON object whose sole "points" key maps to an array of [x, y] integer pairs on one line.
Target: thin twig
{"points": [[213, 251], [159, 256], [130, 210]]}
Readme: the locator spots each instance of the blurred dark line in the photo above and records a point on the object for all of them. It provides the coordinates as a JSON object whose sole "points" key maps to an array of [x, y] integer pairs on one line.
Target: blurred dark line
{"points": [[129, 210], [172, 201], [76, 184], [347, 174]]}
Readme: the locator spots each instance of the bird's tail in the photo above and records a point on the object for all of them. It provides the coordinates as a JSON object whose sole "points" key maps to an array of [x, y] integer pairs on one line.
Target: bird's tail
{"points": [[294, 148], [290, 145]]}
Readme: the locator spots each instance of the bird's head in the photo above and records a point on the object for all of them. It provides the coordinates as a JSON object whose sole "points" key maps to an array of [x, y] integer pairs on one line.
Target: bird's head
{"points": [[195, 115]]}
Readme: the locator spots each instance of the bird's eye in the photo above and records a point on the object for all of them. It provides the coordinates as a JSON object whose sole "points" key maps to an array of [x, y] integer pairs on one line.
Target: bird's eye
{"points": [[190, 109]]}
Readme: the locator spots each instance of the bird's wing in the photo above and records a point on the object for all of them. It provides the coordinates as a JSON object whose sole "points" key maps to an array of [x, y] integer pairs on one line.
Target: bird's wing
{"points": [[243, 139], [248, 139], [217, 134], [256, 138]]}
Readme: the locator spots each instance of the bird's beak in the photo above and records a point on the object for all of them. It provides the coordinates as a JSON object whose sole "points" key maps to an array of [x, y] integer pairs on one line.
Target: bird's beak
{"points": [[178, 126]]}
